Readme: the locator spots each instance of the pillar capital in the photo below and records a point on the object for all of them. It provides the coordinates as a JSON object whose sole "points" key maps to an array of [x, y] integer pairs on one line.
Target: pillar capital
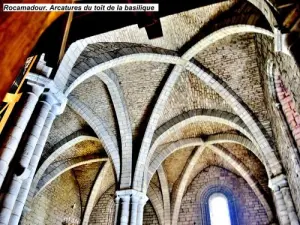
{"points": [[35, 88], [135, 199], [49, 98], [42, 68], [58, 94], [278, 182], [132, 193], [280, 41]]}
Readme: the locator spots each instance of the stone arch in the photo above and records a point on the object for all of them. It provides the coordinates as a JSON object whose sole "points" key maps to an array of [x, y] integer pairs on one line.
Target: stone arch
{"points": [[178, 190], [198, 115], [155, 199], [59, 148], [247, 175], [231, 98], [152, 56], [288, 107], [286, 132], [238, 106], [213, 139], [138, 57], [165, 195], [97, 124], [204, 197], [184, 119], [111, 81], [234, 138], [220, 34], [64, 167], [206, 76], [266, 11], [92, 199], [233, 161]]}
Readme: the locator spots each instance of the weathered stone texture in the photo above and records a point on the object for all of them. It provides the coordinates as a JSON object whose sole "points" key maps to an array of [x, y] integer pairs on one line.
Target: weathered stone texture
{"points": [[149, 218], [85, 176], [280, 127], [93, 93], [107, 182], [234, 60], [82, 148], [190, 93], [103, 212], [178, 29], [178, 158], [249, 209], [198, 129], [288, 106], [251, 162], [64, 125], [140, 83], [54, 204], [136, 86]]}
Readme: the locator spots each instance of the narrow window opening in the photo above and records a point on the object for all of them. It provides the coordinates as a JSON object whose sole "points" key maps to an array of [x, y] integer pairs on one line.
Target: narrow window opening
{"points": [[219, 210]]}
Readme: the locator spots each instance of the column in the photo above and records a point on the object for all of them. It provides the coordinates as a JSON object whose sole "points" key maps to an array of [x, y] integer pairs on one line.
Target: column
{"points": [[140, 211], [14, 136], [124, 218], [117, 202], [292, 40], [290, 206], [283, 201], [131, 207], [134, 207], [21, 171], [281, 208], [21, 199]]}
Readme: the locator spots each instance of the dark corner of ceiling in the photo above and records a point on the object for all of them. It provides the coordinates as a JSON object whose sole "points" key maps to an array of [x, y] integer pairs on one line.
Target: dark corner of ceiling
{"points": [[86, 24]]}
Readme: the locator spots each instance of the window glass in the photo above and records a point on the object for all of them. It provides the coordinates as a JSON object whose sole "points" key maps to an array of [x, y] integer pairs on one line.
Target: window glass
{"points": [[219, 210]]}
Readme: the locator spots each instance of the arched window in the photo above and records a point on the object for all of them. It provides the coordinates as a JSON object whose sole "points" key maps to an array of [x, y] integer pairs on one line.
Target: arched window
{"points": [[218, 206], [219, 209]]}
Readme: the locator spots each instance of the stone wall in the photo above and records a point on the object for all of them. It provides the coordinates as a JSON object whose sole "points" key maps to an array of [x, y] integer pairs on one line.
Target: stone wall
{"points": [[285, 144], [234, 60], [287, 67], [248, 208], [149, 217], [55, 203], [287, 102], [104, 210]]}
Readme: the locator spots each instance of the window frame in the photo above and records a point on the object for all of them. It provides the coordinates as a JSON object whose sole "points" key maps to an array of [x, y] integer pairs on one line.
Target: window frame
{"points": [[204, 201], [215, 196]]}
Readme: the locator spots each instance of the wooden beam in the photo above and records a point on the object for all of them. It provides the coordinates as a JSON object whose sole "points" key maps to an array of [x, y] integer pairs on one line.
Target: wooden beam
{"points": [[19, 33]]}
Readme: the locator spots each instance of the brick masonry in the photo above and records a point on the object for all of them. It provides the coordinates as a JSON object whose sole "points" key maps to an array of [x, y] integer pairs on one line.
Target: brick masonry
{"points": [[249, 209], [233, 59], [287, 101], [103, 212], [150, 217], [55, 203], [288, 71]]}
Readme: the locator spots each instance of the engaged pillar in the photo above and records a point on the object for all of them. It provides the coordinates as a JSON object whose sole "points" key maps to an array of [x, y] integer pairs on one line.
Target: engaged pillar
{"points": [[23, 193], [283, 201], [12, 140], [21, 171]]}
